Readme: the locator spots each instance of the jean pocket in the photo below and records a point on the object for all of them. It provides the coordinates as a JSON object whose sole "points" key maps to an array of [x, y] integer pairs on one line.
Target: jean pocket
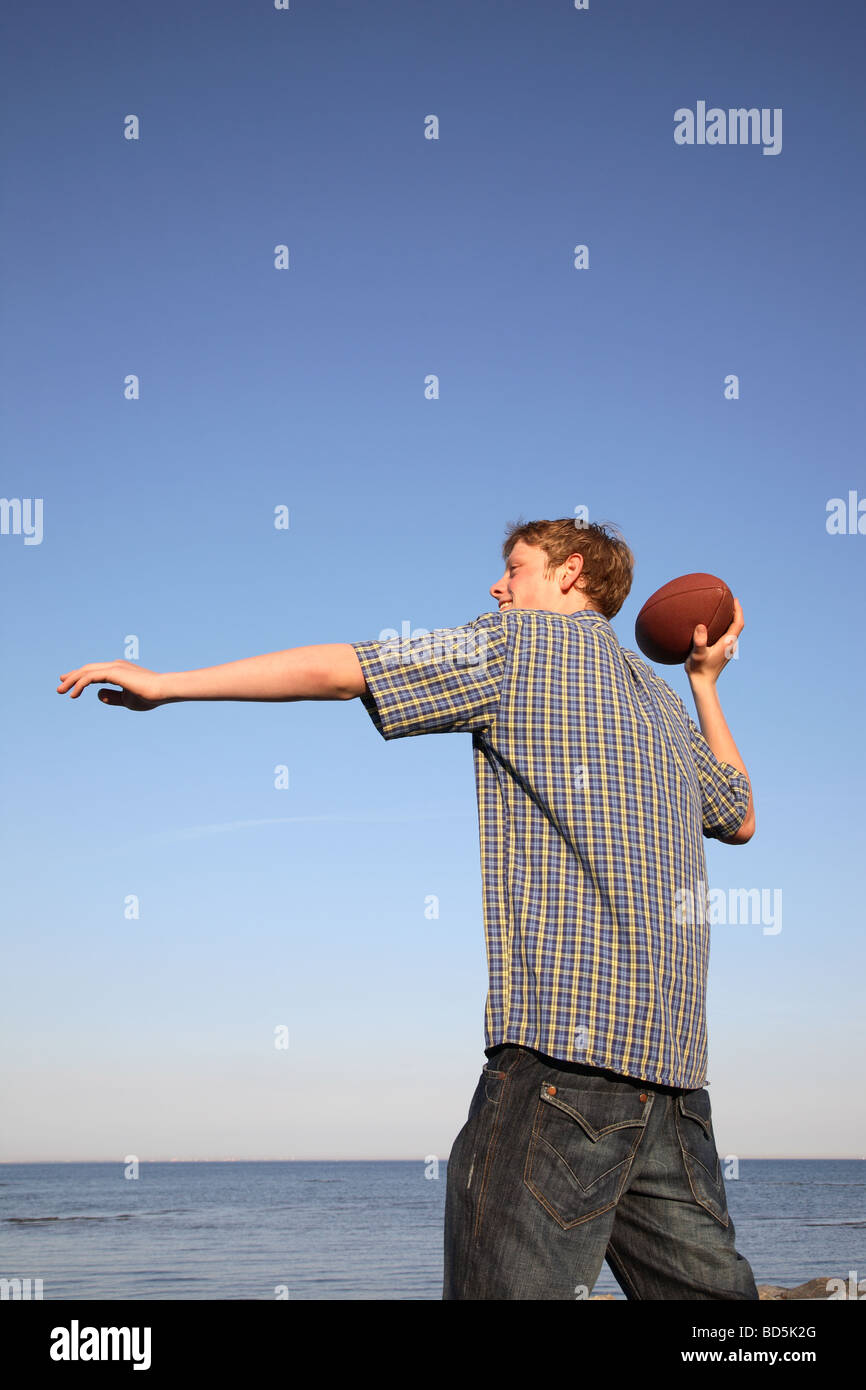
{"points": [[698, 1144], [487, 1092], [584, 1137]]}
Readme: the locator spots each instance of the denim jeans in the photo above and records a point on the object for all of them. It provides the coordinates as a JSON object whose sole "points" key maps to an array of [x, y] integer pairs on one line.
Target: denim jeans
{"points": [[560, 1166]]}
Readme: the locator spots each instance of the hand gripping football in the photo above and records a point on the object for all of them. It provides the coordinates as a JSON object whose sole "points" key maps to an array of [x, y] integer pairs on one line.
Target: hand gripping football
{"points": [[666, 623]]}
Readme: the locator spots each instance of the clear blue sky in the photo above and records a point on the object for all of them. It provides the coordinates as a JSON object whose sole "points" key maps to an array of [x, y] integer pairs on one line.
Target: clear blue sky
{"points": [[304, 387]]}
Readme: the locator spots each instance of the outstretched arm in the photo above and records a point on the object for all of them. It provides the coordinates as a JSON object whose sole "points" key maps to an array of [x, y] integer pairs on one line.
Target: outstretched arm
{"points": [[328, 672]]}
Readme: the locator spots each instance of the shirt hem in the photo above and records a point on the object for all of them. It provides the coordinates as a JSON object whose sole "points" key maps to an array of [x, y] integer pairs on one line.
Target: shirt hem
{"points": [[587, 1059]]}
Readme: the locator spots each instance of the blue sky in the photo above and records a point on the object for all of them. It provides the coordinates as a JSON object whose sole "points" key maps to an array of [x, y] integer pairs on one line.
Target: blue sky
{"points": [[305, 388]]}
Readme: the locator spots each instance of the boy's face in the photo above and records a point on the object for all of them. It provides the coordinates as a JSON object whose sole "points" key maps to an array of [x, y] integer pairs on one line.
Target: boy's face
{"points": [[524, 585]]}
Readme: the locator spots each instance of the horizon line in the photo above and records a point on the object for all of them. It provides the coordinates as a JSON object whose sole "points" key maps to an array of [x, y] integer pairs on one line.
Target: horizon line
{"points": [[326, 1158]]}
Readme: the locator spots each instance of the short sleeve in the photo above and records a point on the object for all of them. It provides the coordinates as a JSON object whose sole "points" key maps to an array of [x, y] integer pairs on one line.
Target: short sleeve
{"points": [[440, 682], [725, 791]]}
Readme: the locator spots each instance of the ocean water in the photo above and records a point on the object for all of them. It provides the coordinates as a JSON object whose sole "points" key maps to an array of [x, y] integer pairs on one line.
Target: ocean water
{"points": [[343, 1230]]}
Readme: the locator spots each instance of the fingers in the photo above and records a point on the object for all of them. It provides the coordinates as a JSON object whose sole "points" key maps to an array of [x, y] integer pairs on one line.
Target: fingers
{"points": [[73, 684], [729, 638], [75, 681], [70, 676], [79, 683]]}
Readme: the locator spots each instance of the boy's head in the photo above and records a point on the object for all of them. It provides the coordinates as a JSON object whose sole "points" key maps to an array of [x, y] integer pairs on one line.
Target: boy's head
{"points": [[564, 566]]}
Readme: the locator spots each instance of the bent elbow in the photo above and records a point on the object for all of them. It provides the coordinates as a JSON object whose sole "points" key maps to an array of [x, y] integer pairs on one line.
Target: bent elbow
{"points": [[745, 831]]}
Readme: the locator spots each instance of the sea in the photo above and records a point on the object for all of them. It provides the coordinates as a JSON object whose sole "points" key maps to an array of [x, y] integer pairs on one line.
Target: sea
{"points": [[347, 1230]]}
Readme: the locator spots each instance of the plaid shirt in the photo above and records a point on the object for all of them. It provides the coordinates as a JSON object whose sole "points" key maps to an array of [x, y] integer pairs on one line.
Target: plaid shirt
{"points": [[595, 789]]}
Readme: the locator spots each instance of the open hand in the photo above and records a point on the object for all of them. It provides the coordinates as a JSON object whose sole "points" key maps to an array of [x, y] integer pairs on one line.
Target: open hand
{"points": [[707, 663], [139, 687]]}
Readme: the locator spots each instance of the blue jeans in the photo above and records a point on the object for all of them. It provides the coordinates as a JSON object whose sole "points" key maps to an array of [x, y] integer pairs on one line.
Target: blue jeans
{"points": [[560, 1166]]}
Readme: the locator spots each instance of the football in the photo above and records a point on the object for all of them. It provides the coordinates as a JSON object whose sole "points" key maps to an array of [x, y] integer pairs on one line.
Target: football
{"points": [[666, 623]]}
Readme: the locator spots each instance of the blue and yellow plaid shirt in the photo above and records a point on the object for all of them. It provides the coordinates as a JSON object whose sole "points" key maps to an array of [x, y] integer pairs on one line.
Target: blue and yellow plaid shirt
{"points": [[595, 789]]}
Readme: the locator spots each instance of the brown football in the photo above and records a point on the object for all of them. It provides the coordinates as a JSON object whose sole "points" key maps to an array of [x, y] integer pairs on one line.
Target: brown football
{"points": [[666, 623]]}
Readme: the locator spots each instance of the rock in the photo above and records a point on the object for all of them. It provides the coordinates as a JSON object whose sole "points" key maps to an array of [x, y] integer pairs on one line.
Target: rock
{"points": [[824, 1287], [815, 1288]]}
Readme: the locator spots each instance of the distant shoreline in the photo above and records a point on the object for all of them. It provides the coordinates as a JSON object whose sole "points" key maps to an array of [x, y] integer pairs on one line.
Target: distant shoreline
{"points": [[48, 1162]]}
